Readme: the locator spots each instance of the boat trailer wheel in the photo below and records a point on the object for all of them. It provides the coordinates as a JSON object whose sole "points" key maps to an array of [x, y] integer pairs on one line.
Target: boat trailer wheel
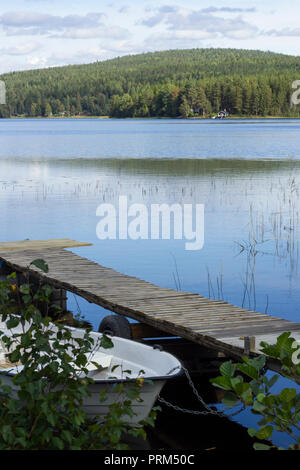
{"points": [[115, 325]]}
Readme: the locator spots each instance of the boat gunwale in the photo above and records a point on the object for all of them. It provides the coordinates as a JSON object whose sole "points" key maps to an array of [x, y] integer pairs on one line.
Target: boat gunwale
{"points": [[13, 373]]}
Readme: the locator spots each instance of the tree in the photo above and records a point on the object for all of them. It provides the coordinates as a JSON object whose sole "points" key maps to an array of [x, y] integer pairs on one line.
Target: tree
{"points": [[78, 104], [48, 110], [184, 108], [34, 110], [125, 106], [201, 101], [243, 82]]}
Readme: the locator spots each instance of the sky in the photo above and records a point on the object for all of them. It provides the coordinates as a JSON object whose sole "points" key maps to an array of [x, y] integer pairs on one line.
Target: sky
{"points": [[42, 33]]}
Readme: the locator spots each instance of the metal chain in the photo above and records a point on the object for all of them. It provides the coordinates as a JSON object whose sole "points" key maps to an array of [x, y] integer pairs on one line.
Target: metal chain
{"points": [[78, 308], [208, 411]]}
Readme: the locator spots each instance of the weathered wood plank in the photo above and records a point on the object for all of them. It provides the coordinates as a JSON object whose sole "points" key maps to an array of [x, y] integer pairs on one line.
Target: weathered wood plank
{"points": [[40, 244]]}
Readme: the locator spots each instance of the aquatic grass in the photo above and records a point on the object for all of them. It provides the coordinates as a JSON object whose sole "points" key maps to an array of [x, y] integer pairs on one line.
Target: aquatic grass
{"points": [[219, 285], [175, 275], [279, 229]]}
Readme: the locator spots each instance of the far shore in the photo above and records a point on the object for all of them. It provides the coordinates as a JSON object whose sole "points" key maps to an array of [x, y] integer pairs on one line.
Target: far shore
{"points": [[191, 118]]}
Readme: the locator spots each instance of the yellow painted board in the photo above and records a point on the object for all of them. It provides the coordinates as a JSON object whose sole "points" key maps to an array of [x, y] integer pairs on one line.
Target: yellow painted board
{"points": [[40, 244]]}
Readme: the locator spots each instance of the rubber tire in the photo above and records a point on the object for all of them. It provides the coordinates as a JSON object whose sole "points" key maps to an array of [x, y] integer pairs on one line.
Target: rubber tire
{"points": [[115, 325]]}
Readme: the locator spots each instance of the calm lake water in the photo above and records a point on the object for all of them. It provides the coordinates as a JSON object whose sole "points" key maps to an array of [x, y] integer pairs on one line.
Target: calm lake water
{"points": [[55, 173]]}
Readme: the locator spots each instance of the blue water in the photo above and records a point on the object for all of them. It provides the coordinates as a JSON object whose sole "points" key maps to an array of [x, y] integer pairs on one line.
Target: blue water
{"points": [[55, 173], [138, 138]]}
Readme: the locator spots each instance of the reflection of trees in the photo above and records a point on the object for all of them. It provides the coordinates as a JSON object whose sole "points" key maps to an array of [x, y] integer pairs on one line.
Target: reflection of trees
{"points": [[167, 166], [182, 167]]}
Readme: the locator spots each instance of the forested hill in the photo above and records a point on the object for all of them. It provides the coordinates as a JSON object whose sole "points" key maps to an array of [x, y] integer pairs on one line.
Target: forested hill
{"points": [[174, 83]]}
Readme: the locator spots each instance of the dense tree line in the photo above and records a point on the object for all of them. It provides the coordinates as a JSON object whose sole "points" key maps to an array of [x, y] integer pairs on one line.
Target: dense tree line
{"points": [[162, 84]]}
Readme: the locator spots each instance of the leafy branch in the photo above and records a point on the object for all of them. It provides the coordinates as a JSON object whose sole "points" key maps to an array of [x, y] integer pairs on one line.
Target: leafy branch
{"points": [[41, 406], [246, 382]]}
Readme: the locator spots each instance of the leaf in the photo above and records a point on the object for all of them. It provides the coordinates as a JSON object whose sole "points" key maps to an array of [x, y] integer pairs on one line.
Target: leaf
{"points": [[259, 407], [273, 380], [27, 299], [287, 394], [25, 289], [40, 264], [67, 436], [227, 369], [99, 367], [282, 349], [244, 391], [106, 342], [236, 380], [270, 400], [12, 322], [222, 382], [260, 397], [259, 362], [14, 356], [283, 339], [265, 432], [7, 433], [255, 387], [259, 446], [230, 399], [248, 370], [58, 443], [252, 432]]}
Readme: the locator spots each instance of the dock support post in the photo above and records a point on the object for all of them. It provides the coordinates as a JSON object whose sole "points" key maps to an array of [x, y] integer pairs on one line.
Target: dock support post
{"points": [[59, 297], [4, 270], [249, 344]]}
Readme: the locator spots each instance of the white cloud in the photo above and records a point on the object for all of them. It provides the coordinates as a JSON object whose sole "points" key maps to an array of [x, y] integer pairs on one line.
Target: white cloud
{"points": [[20, 49], [37, 61], [228, 10], [73, 31], [113, 32], [33, 23], [288, 32], [181, 19]]}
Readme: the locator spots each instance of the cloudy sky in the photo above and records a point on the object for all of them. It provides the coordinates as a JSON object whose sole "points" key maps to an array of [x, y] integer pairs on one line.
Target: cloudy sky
{"points": [[42, 33]]}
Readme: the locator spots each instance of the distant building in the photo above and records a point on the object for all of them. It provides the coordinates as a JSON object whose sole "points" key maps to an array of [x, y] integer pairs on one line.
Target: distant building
{"points": [[221, 114]]}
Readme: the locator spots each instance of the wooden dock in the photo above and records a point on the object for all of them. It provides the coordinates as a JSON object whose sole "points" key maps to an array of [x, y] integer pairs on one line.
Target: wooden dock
{"points": [[215, 324]]}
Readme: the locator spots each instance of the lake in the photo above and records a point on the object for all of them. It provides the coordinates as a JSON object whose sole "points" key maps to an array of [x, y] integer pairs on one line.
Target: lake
{"points": [[55, 173]]}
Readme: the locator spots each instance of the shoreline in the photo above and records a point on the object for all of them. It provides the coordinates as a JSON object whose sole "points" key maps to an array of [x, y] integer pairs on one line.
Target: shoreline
{"points": [[194, 118]]}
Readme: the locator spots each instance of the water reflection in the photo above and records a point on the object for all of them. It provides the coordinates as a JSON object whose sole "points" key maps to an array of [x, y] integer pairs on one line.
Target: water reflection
{"points": [[251, 251]]}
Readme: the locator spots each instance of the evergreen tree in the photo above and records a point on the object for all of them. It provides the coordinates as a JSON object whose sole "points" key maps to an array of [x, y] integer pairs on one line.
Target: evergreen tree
{"points": [[167, 83]]}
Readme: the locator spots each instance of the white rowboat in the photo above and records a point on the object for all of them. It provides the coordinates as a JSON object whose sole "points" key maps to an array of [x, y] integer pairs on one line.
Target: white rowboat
{"points": [[156, 365]]}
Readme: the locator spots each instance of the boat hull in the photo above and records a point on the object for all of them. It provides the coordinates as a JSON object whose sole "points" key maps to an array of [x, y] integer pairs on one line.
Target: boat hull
{"points": [[151, 366], [98, 410], [142, 408]]}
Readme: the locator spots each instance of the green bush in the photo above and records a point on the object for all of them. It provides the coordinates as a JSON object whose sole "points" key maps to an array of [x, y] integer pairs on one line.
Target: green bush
{"points": [[247, 383], [42, 410]]}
